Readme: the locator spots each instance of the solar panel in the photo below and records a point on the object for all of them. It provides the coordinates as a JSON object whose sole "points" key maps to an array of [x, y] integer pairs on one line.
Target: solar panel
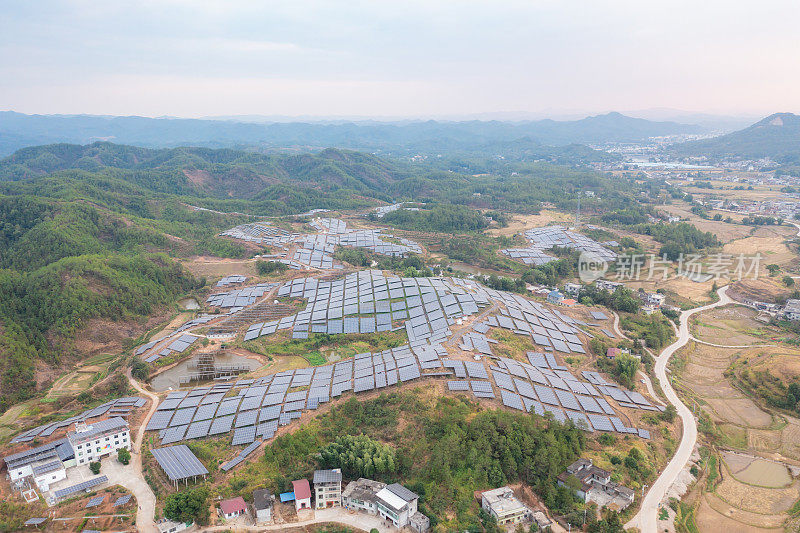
{"points": [[205, 412], [35, 521], [546, 395], [580, 420], [503, 380], [589, 404], [94, 502], [122, 500], [178, 462], [173, 434], [243, 435], [198, 430], [159, 420], [512, 400], [568, 400], [605, 406], [524, 388], [221, 425], [600, 423], [481, 386], [458, 385], [408, 373], [80, 487]]}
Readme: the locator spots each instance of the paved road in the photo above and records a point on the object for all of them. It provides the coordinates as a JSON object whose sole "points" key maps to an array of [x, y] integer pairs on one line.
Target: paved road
{"points": [[145, 498], [647, 517]]}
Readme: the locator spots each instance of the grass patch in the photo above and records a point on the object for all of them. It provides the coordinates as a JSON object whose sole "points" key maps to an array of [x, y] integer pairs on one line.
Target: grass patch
{"points": [[511, 345], [319, 347]]}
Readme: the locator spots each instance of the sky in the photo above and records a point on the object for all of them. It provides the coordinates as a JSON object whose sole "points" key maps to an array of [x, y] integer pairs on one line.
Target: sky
{"points": [[431, 58]]}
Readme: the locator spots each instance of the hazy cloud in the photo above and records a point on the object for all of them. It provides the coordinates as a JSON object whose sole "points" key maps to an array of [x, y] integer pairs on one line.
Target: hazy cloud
{"points": [[196, 58]]}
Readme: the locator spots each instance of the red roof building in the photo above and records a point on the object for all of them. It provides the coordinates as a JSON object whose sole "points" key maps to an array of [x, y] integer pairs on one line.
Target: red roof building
{"points": [[233, 507], [302, 494]]}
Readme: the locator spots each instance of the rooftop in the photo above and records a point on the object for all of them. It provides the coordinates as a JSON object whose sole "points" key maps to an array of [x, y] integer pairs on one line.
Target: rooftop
{"points": [[363, 489], [179, 462], [233, 505], [503, 501], [328, 476], [402, 492], [302, 489], [98, 429], [392, 500], [262, 499]]}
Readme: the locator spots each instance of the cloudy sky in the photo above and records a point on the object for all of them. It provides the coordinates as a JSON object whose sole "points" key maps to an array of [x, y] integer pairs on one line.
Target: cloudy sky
{"points": [[389, 58]]}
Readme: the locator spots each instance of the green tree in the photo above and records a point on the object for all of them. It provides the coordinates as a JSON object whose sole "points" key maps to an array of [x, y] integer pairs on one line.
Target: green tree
{"points": [[190, 505], [124, 456], [94, 466]]}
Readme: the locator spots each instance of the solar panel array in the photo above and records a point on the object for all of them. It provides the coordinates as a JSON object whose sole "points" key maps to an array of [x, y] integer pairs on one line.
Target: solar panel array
{"points": [[383, 210], [254, 409], [260, 233], [230, 280], [316, 250], [369, 302], [178, 462], [542, 239], [261, 405], [178, 344], [118, 406], [239, 297], [80, 487]]}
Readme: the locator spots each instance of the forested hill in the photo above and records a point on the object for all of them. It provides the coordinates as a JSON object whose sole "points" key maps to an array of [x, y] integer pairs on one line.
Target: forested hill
{"points": [[776, 137], [19, 130], [223, 173]]}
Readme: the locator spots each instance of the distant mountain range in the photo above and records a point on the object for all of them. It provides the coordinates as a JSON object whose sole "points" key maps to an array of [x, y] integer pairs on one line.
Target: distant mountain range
{"points": [[19, 130], [776, 137]]}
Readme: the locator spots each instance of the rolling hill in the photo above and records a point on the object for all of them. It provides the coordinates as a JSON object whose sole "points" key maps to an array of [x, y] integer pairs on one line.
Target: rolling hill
{"points": [[18, 130], [776, 137]]}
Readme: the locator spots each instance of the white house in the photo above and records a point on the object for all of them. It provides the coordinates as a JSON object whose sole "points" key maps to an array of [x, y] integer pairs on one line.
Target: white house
{"points": [[47, 473], [572, 288], [594, 484], [504, 506], [302, 494], [328, 488], [95, 441], [262, 503], [22, 464], [792, 310], [396, 504], [610, 286], [654, 299], [171, 526]]}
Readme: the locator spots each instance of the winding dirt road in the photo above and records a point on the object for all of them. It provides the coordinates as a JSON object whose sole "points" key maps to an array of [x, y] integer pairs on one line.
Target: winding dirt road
{"points": [[647, 517]]}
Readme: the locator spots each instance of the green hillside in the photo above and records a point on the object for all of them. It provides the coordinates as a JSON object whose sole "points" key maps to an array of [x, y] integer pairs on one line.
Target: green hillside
{"points": [[776, 137]]}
